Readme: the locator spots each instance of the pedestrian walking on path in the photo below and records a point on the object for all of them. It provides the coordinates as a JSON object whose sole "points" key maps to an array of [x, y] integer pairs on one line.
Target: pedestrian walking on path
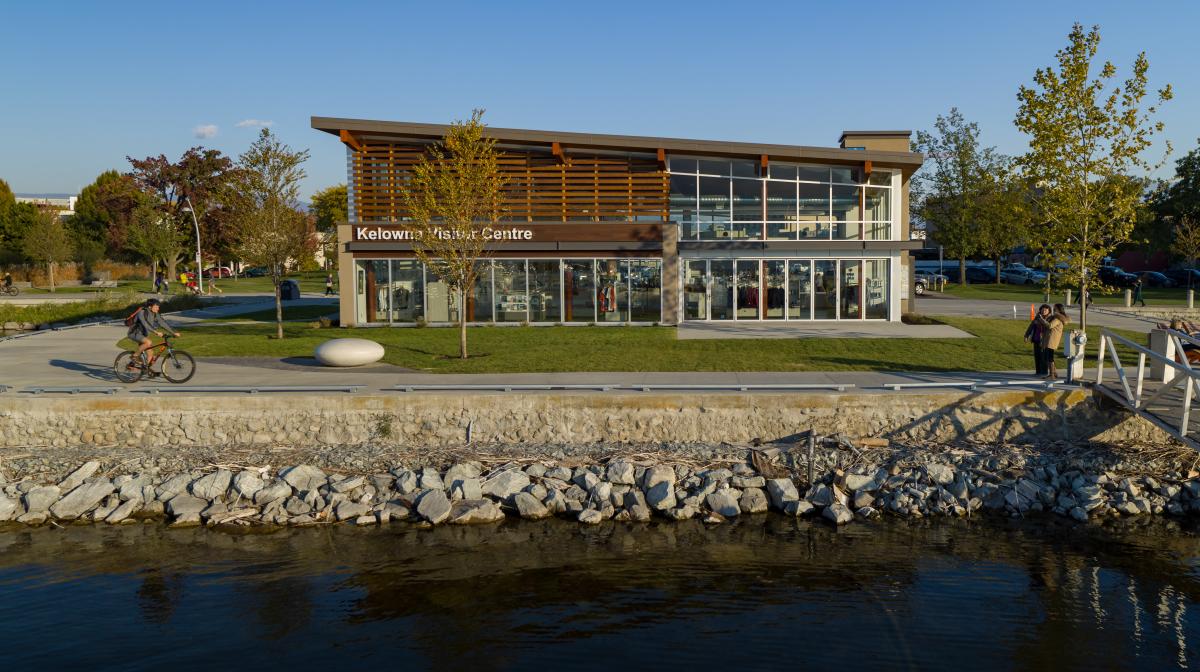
{"points": [[1036, 334], [329, 284], [1137, 293]]}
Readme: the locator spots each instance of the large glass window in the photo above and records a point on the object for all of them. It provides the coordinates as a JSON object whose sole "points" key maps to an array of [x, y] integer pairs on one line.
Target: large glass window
{"points": [[799, 290], [579, 289], [846, 206], [781, 210], [773, 304], [544, 291], [512, 301], [747, 200], [372, 300], [875, 293], [695, 290], [683, 203], [645, 290], [612, 297], [441, 302], [408, 290], [813, 210], [825, 290], [721, 294], [714, 209]]}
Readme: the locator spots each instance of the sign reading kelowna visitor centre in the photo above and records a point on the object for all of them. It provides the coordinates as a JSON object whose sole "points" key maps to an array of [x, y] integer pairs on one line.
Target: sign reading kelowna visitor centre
{"points": [[401, 234]]}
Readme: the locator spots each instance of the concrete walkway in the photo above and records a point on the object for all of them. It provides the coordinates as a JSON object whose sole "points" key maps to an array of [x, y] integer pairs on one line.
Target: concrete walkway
{"points": [[935, 305], [710, 330]]}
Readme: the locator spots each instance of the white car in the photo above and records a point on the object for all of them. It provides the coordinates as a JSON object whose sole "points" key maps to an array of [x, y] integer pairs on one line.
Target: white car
{"points": [[1020, 274]]}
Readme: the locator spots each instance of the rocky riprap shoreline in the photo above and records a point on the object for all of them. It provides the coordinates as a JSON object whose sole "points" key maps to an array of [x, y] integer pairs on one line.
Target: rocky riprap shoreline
{"points": [[714, 484]]}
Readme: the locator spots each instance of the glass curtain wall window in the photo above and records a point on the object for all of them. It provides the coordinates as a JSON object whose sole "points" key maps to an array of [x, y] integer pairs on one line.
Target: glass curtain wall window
{"points": [[512, 302], [545, 291], [579, 290], [717, 199]]}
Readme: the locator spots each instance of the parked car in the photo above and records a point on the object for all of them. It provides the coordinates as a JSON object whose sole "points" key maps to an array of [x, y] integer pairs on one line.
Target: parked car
{"points": [[256, 272], [1114, 276], [218, 272], [920, 286], [930, 277], [1156, 279], [1184, 277], [1020, 274], [976, 275]]}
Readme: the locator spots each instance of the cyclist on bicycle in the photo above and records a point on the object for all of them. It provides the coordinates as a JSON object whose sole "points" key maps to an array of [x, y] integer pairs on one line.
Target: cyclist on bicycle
{"points": [[145, 322], [7, 280]]}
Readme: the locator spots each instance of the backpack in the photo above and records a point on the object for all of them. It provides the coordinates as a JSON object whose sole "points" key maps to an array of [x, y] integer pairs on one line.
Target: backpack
{"points": [[132, 319]]}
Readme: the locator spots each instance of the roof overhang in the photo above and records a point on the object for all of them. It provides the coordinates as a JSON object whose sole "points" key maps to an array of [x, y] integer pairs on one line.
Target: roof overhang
{"points": [[363, 130]]}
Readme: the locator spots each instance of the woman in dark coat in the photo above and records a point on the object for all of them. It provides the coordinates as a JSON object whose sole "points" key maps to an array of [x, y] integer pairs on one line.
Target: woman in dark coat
{"points": [[1036, 334]]}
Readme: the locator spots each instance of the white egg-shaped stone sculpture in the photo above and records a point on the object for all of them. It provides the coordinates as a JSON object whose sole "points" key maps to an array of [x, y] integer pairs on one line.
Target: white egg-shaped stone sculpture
{"points": [[348, 352]]}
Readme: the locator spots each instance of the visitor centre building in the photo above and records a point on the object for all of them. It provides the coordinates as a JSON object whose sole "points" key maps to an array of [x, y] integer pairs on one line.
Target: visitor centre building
{"points": [[615, 229]]}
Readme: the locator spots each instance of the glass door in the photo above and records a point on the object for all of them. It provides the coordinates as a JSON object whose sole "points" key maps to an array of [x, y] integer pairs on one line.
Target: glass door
{"points": [[851, 290], [775, 294], [825, 290], [721, 295], [749, 289], [695, 290], [800, 290]]}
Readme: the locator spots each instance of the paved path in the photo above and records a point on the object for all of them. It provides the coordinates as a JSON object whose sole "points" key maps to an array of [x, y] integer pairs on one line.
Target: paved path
{"points": [[709, 330], [941, 304]]}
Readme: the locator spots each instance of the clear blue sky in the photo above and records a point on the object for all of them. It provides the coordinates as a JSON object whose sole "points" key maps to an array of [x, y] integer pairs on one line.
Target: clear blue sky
{"points": [[82, 85]]}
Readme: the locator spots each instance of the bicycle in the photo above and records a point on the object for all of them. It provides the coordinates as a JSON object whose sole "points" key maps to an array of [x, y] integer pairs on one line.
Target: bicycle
{"points": [[9, 291], [175, 366]]}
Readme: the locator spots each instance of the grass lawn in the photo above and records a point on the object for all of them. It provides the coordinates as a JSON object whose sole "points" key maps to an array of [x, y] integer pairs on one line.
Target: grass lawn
{"points": [[109, 305], [1033, 294], [122, 286], [998, 346], [309, 282], [289, 313]]}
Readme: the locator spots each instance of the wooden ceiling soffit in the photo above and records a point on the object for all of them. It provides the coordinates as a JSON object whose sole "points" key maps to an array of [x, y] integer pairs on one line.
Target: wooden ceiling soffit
{"points": [[351, 141]]}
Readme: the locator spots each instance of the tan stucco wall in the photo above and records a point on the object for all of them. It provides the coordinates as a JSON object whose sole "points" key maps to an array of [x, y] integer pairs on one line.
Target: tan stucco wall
{"points": [[345, 276]]}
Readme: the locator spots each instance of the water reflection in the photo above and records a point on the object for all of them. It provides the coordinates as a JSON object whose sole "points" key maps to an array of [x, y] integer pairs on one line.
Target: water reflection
{"points": [[764, 593]]}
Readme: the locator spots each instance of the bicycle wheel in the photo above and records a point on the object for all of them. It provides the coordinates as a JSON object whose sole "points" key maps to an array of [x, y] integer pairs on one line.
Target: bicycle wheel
{"points": [[122, 370], [178, 367]]}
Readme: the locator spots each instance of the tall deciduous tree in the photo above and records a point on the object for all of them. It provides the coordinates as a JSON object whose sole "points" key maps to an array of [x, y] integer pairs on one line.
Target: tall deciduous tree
{"points": [[1187, 241], [1087, 135], [1182, 196], [452, 197], [48, 242], [152, 234], [263, 196], [192, 183], [1005, 212], [330, 206], [947, 192]]}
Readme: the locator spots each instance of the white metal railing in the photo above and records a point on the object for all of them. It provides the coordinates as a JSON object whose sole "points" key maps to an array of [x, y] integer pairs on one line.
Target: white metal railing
{"points": [[1134, 391]]}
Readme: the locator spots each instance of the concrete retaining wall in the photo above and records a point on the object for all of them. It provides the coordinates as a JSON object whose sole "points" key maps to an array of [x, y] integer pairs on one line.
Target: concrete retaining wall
{"points": [[442, 419]]}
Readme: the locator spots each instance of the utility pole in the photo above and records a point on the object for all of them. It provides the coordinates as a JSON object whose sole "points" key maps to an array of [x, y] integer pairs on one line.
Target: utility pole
{"points": [[196, 223]]}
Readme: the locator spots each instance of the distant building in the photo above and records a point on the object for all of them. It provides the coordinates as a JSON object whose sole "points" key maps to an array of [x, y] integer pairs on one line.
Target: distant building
{"points": [[64, 205]]}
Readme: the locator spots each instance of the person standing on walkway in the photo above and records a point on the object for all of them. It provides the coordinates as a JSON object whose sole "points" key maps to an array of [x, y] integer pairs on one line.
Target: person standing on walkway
{"points": [[1137, 292], [328, 284], [1057, 324], [1036, 334]]}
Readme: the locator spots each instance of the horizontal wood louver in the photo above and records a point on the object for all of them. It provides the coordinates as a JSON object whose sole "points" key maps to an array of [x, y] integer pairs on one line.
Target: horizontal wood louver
{"points": [[541, 187]]}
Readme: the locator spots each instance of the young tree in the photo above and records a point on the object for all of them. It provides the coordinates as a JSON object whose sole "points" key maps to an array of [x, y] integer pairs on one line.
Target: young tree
{"points": [[269, 229], [152, 235], [947, 191], [452, 197], [47, 242], [1086, 136], [190, 185], [1187, 241]]}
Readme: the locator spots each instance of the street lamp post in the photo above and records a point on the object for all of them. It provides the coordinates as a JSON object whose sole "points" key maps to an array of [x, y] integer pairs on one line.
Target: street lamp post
{"points": [[196, 223]]}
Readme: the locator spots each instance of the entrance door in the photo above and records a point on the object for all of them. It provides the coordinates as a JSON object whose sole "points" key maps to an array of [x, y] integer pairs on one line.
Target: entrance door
{"points": [[749, 289], [722, 286], [774, 296], [800, 290], [695, 290]]}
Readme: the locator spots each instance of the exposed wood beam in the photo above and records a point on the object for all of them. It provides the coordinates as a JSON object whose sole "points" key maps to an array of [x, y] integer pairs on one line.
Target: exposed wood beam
{"points": [[867, 168], [764, 160], [662, 158], [557, 150], [348, 138]]}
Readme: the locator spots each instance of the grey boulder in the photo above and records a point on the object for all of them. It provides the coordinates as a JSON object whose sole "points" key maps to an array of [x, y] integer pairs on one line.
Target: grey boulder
{"points": [[724, 503], [782, 491], [77, 477], [81, 500], [39, 499], [839, 513], [474, 512], [434, 506], [213, 485], [303, 477], [506, 484], [530, 507]]}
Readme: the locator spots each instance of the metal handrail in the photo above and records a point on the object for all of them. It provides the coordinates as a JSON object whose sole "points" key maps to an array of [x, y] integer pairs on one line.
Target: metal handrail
{"points": [[1133, 396], [971, 384], [249, 389], [79, 389], [649, 387]]}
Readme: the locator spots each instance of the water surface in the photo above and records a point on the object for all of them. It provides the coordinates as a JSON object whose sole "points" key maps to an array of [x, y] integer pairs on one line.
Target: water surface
{"points": [[764, 593]]}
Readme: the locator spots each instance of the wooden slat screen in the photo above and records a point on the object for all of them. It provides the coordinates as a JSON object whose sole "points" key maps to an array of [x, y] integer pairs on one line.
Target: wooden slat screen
{"points": [[540, 187]]}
